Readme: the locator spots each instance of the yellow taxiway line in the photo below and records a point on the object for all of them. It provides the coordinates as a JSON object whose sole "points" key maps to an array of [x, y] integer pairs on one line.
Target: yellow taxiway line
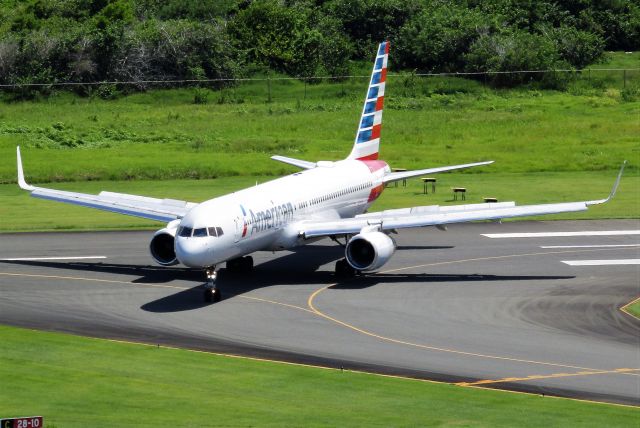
{"points": [[550, 376]]}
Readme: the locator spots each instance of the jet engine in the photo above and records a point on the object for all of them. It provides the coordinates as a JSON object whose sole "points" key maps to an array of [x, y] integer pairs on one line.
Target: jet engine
{"points": [[368, 251], [162, 248]]}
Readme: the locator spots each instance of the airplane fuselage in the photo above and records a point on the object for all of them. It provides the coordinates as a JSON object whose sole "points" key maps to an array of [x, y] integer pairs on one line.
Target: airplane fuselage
{"points": [[265, 217]]}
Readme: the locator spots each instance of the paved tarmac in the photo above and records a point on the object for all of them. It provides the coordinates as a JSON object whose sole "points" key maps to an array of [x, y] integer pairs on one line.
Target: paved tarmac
{"points": [[453, 306]]}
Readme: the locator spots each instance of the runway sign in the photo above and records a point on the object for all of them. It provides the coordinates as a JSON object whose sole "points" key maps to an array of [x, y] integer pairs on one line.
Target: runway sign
{"points": [[23, 422]]}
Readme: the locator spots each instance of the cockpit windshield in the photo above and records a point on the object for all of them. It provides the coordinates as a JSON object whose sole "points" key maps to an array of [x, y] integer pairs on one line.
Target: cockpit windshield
{"points": [[197, 233], [185, 232]]}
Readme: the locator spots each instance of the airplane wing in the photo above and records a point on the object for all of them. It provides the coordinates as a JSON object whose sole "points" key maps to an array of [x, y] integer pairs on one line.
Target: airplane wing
{"points": [[295, 162], [395, 176], [441, 215], [138, 206]]}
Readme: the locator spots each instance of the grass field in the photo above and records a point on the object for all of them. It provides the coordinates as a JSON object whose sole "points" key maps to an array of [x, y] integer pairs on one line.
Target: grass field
{"points": [[162, 134], [548, 146], [74, 381]]}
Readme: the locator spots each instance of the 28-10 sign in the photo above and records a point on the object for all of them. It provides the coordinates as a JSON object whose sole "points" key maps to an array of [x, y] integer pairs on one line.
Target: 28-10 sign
{"points": [[24, 422]]}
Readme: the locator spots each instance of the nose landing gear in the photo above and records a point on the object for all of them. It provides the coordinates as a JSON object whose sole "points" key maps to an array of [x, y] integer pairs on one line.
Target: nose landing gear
{"points": [[211, 292]]}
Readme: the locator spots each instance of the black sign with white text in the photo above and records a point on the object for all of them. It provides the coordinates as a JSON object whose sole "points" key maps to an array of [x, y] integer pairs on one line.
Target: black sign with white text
{"points": [[24, 422]]}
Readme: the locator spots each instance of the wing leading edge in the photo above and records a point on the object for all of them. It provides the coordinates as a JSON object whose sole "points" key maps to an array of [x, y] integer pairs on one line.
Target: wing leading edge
{"points": [[437, 215], [138, 206]]}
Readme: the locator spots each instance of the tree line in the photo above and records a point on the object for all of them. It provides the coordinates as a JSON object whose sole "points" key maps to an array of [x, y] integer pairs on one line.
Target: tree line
{"points": [[47, 41]]}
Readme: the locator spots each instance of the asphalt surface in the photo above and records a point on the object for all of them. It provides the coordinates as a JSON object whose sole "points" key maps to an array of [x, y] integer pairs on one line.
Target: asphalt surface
{"points": [[453, 306]]}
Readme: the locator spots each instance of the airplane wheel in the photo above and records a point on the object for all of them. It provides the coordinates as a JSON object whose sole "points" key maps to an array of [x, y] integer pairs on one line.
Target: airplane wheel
{"points": [[234, 265], [247, 263], [240, 265], [344, 269], [212, 295]]}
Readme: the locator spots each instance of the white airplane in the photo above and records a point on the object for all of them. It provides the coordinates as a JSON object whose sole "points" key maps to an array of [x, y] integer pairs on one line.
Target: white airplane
{"points": [[324, 199]]}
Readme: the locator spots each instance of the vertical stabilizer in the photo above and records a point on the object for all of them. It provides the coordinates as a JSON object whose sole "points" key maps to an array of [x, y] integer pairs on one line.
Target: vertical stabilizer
{"points": [[367, 143]]}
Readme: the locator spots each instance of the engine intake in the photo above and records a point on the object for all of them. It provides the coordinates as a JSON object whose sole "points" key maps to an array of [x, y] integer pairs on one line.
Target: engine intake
{"points": [[162, 247], [369, 251]]}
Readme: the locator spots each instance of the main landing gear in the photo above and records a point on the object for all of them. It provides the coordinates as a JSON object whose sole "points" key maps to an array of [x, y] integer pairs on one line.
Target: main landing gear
{"points": [[211, 292], [240, 264], [345, 270]]}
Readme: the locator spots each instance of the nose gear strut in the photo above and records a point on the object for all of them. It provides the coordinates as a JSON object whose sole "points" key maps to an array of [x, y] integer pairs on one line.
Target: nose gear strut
{"points": [[211, 292]]}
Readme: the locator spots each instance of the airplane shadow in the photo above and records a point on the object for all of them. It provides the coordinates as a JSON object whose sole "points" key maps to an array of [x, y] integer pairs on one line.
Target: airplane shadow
{"points": [[299, 267], [362, 282], [424, 247]]}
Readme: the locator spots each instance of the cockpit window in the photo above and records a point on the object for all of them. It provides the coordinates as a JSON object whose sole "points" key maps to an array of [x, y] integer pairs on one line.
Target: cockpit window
{"points": [[219, 230], [197, 233], [212, 231], [185, 231]]}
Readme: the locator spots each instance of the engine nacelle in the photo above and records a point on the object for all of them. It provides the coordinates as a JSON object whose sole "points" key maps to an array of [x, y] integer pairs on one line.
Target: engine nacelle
{"points": [[369, 251], [162, 247]]}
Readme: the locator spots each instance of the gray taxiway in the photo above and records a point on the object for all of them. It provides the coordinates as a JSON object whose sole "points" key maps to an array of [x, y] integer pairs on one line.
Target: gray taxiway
{"points": [[454, 306]]}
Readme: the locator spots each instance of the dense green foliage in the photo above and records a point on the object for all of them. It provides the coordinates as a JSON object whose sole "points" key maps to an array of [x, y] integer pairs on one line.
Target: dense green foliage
{"points": [[80, 382], [48, 41]]}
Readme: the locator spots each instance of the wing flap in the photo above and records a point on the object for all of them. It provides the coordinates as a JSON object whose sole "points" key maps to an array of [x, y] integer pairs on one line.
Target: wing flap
{"points": [[145, 209], [433, 217], [435, 209]]}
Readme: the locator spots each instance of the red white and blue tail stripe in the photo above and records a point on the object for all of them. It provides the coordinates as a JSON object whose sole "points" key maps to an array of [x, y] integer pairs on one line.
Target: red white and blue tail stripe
{"points": [[367, 142]]}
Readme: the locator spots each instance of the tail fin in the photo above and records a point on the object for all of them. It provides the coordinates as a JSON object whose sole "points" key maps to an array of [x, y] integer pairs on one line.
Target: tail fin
{"points": [[367, 141]]}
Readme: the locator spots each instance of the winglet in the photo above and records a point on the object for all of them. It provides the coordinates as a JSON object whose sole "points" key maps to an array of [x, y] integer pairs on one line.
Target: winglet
{"points": [[21, 182], [613, 191]]}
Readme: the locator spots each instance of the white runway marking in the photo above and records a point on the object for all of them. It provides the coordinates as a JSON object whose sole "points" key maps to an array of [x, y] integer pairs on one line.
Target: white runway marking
{"points": [[601, 262], [33, 259], [562, 234], [590, 246]]}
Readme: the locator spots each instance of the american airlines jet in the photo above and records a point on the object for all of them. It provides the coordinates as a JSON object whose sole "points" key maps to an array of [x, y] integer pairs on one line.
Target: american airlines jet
{"points": [[324, 199]]}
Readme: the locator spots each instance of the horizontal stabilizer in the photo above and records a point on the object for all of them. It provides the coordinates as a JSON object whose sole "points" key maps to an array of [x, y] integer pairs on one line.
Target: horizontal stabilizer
{"points": [[295, 162], [395, 176]]}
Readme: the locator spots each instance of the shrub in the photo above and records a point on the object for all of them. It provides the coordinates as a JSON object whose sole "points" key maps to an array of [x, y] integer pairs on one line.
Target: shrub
{"points": [[514, 51], [200, 96], [438, 37], [577, 47]]}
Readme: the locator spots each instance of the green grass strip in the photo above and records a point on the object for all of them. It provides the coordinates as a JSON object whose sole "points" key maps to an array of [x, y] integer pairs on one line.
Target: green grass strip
{"points": [[633, 308], [75, 381]]}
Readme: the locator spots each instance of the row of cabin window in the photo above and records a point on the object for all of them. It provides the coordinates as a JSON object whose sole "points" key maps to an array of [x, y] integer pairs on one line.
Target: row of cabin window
{"points": [[334, 195], [200, 232]]}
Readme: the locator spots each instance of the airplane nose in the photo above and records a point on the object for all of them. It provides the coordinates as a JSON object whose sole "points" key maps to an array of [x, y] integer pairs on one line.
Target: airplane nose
{"points": [[193, 252]]}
